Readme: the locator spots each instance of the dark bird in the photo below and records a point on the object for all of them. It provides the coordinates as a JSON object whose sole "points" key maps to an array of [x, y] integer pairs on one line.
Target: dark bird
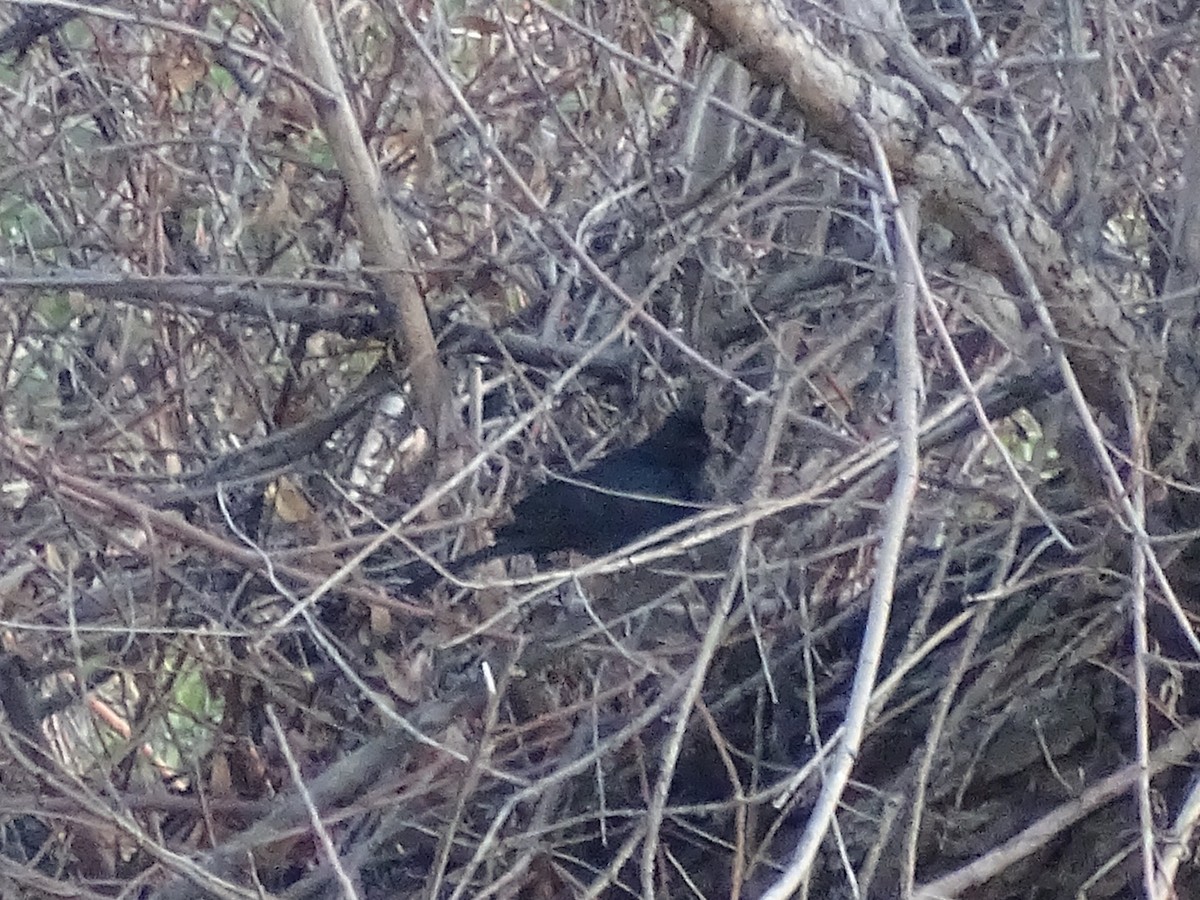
{"points": [[613, 502]]}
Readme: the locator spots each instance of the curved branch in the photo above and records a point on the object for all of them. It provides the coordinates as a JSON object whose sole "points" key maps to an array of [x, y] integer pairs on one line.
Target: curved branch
{"points": [[383, 239]]}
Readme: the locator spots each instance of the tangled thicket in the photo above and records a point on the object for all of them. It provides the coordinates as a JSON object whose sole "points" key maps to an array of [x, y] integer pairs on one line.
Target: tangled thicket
{"points": [[214, 682]]}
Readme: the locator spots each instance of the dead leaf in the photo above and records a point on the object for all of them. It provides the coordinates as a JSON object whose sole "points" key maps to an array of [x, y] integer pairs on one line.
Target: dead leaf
{"points": [[289, 501], [407, 677]]}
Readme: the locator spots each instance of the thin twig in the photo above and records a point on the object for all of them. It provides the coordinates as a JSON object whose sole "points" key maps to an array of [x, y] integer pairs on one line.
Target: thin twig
{"points": [[890, 547]]}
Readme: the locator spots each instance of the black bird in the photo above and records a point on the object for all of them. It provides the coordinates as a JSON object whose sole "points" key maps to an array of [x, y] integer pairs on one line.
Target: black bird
{"points": [[613, 502]]}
